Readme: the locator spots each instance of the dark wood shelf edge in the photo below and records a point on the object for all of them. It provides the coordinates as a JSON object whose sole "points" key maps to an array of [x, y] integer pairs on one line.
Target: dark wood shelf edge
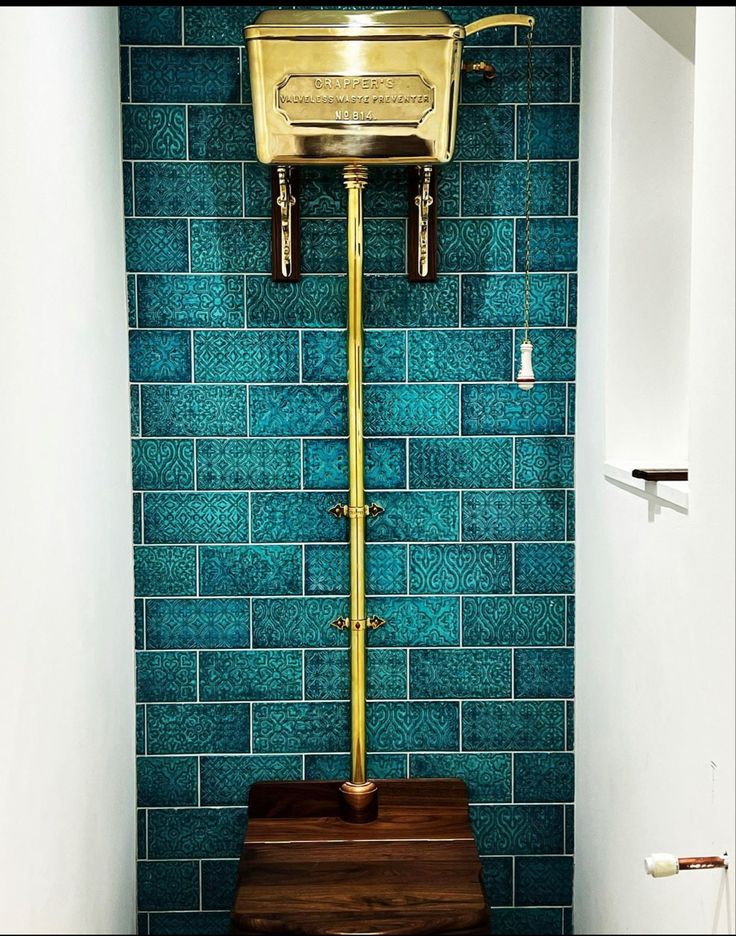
{"points": [[660, 474]]}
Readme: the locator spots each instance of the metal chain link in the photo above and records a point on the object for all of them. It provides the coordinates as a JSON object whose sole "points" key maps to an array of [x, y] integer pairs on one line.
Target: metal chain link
{"points": [[528, 194]]}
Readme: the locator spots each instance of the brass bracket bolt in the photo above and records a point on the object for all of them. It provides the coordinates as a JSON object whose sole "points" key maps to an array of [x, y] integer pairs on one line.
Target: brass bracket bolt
{"points": [[341, 623], [374, 622]]}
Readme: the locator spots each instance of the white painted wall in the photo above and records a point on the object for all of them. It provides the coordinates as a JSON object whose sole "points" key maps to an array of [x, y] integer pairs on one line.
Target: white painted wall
{"points": [[67, 771], [655, 658]]}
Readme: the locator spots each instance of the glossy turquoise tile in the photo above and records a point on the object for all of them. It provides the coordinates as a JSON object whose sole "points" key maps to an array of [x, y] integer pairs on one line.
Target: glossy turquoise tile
{"points": [[332, 766], [571, 409], [417, 622], [499, 300], [498, 881], [141, 834], [154, 131], [575, 69], [124, 74], [250, 675], [544, 778], [513, 726], [167, 781], [189, 924], [257, 194], [137, 519], [545, 567], [219, 879], [569, 829], [551, 77], [448, 190], [163, 464], [250, 570], [574, 200], [504, 409], [226, 781], [135, 410], [327, 675], [326, 464], [140, 729], [246, 356], [128, 189], [313, 302], [324, 356], [297, 622], [459, 569], [488, 776], [459, 674], [167, 189], [196, 518], [543, 881], [195, 833], [248, 464], [475, 245], [556, 25], [165, 570], [422, 726], [554, 352], [217, 25], [411, 409], [570, 621], [194, 411], [190, 301], [156, 246], [323, 245], [327, 573], [521, 921], [554, 131], [460, 354], [544, 674], [150, 25], [221, 132], [570, 516], [553, 244], [169, 885], [294, 727], [201, 623], [500, 188], [484, 132], [160, 356], [298, 411], [198, 729], [460, 463], [513, 515], [545, 463], [168, 676], [518, 830], [394, 302], [296, 517], [424, 516], [231, 246], [507, 621], [196, 76], [132, 301], [139, 624]]}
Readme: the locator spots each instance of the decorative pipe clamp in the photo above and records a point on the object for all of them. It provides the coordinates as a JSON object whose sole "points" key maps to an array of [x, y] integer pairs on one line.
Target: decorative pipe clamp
{"points": [[661, 864], [370, 623], [345, 510]]}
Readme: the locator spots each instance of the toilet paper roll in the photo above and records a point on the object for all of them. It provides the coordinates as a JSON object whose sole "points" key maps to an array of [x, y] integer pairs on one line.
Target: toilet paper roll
{"points": [[661, 864]]}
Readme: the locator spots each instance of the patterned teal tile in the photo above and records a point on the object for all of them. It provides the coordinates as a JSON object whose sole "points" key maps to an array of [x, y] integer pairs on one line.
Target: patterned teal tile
{"points": [[326, 464], [417, 516], [475, 245], [554, 131], [150, 25], [544, 778], [217, 25], [488, 776], [574, 201], [231, 246], [176, 189], [140, 729], [570, 621], [207, 623], [250, 570], [294, 727], [459, 569], [327, 573], [154, 131], [513, 515], [128, 189], [544, 567], [518, 621], [448, 190], [250, 675], [246, 356], [194, 410], [417, 622], [163, 464], [324, 356], [553, 244], [135, 410], [167, 781], [386, 193], [544, 674], [513, 726], [571, 409], [500, 188], [124, 74], [567, 917], [297, 622], [196, 728], [460, 354], [460, 463], [327, 675], [219, 879], [570, 516], [168, 885], [190, 301], [394, 302], [248, 464], [221, 132], [132, 302], [165, 570], [168, 676], [515, 830], [156, 246], [322, 193], [323, 246], [499, 300], [258, 191], [313, 302], [521, 921], [569, 830], [189, 924], [137, 519], [196, 518], [411, 409], [337, 766], [543, 881], [138, 616], [195, 833], [160, 356], [196, 76], [484, 132], [141, 833], [296, 517], [421, 726], [298, 411], [498, 881], [545, 463], [226, 781], [504, 409], [575, 69], [554, 352], [459, 674], [551, 77], [555, 25]]}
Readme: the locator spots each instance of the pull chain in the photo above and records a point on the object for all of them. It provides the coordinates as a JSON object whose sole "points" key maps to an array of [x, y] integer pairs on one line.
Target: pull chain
{"points": [[525, 377]]}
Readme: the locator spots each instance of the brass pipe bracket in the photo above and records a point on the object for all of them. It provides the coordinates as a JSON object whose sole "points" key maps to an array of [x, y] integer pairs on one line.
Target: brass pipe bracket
{"points": [[370, 623], [345, 510]]}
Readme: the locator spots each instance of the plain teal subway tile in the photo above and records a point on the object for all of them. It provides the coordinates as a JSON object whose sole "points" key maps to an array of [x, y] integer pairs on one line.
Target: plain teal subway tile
{"points": [[506, 409], [326, 464], [231, 246], [459, 674], [416, 516], [500, 188], [553, 244], [513, 726], [411, 409], [297, 622], [194, 410], [475, 245], [484, 132], [195, 76], [323, 245], [459, 568], [167, 781], [544, 778], [160, 356], [163, 464], [520, 921], [498, 300], [545, 463], [327, 675], [554, 131], [298, 411], [193, 728], [217, 25], [165, 570], [488, 776], [250, 675], [555, 25], [394, 302], [428, 621], [168, 885], [544, 674], [196, 517], [554, 352], [189, 924], [197, 623], [337, 766], [221, 132], [248, 464], [543, 881], [421, 726], [190, 301], [324, 356], [219, 880], [461, 463], [513, 515], [551, 77], [498, 882], [169, 676], [246, 356], [295, 727], [313, 302], [507, 621], [327, 569], [195, 833], [154, 131], [137, 519], [299, 516], [180, 189], [150, 25], [545, 567], [250, 570], [155, 245], [460, 354], [518, 830], [226, 781]]}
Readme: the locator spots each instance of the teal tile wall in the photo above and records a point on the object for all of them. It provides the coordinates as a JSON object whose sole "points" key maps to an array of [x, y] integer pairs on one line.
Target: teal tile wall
{"points": [[239, 420]]}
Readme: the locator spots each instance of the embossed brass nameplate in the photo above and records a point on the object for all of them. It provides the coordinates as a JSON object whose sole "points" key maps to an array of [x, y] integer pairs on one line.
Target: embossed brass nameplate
{"points": [[355, 99]]}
